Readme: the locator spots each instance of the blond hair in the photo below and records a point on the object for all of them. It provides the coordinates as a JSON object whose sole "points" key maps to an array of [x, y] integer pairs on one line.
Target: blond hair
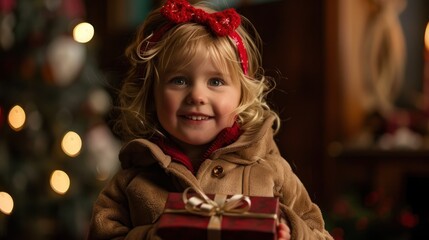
{"points": [[137, 116]]}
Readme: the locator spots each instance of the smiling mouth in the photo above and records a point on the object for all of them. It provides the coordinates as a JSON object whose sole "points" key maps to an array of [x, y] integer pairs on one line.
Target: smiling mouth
{"points": [[197, 118]]}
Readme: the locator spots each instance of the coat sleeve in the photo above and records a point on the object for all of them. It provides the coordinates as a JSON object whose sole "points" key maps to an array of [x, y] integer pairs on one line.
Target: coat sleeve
{"points": [[302, 215], [111, 214]]}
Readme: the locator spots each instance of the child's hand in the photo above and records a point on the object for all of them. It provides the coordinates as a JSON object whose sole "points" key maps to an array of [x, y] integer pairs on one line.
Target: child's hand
{"points": [[283, 232]]}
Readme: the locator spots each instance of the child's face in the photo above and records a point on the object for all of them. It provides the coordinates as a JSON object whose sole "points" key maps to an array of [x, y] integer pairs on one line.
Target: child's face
{"points": [[195, 103]]}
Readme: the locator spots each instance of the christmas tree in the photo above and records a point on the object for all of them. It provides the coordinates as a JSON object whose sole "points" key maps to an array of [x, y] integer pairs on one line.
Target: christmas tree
{"points": [[56, 150]]}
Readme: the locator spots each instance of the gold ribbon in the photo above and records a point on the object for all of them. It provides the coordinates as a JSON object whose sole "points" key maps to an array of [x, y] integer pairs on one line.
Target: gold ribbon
{"points": [[237, 205]]}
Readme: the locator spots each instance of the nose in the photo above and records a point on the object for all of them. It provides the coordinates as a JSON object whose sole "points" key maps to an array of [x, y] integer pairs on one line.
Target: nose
{"points": [[197, 95]]}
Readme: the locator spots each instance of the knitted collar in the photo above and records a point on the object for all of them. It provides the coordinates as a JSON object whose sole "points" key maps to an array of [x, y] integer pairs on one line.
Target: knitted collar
{"points": [[224, 138]]}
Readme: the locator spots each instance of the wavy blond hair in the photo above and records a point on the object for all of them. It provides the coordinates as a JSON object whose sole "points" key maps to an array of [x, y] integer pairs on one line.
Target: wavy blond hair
{"points": [[137, 116]]}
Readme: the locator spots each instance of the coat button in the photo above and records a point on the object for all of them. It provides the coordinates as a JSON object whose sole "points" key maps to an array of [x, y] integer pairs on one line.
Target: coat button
{"points": [[217, 171]]}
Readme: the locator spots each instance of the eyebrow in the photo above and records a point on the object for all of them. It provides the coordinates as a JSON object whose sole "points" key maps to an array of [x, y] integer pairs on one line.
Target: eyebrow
{"points": [[184, 71]]}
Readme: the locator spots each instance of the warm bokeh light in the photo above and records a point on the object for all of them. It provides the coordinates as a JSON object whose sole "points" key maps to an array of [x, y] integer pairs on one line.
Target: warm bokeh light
{"points": [[6, 203], [427, 37], [60, 182], [100, 101], [16, 118], [83, 32], [71, 144]]}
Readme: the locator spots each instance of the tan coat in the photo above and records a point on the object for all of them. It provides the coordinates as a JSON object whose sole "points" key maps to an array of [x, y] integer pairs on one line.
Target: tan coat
{"points": [[131, 203]]}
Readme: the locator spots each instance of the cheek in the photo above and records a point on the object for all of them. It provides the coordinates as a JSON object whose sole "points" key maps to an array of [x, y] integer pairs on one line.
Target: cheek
{"points": [[166, 105], [226, 107]]}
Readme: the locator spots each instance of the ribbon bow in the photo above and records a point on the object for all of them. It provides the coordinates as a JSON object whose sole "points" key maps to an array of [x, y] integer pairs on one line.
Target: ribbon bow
{"points": [[221, 23], [221, 205]]}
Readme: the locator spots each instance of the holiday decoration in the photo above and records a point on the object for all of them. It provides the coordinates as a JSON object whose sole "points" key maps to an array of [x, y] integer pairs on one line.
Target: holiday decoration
{"points": [[218, 216], [56, 150], [65, 58]]}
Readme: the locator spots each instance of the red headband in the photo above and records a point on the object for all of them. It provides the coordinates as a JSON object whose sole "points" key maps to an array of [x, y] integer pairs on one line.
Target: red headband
{"points": [[220, 23]]}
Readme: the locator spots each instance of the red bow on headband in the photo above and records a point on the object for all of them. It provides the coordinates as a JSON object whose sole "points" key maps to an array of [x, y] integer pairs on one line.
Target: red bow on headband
{"points": [[221, 23]]}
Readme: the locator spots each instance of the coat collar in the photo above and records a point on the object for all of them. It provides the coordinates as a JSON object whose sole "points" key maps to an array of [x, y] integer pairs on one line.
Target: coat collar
{"points": [[249, 148], [224, 138], [251, 144]]}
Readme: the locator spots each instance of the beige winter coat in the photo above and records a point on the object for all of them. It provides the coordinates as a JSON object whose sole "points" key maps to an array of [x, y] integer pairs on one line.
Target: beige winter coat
{"points": [[129, 206]]}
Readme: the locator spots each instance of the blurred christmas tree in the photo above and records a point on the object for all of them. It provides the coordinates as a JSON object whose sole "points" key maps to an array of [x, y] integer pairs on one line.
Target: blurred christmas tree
{"points": [[56, 150]]}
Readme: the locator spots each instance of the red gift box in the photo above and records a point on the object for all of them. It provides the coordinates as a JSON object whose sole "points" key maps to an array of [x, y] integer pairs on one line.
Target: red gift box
{"points": [[199, 216]]}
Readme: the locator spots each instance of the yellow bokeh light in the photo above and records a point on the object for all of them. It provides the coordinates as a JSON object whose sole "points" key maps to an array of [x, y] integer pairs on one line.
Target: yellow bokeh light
{"points": [[427, 37], [71, 144], [6, 203], [83, 32], [60, 182], [16, 118]]}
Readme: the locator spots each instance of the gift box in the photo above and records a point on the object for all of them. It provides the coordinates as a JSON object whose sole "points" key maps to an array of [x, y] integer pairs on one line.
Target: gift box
{"points": [[194, 215]]}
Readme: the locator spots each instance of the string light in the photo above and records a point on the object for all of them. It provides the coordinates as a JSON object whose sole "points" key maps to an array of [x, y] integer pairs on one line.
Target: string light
{"points": [[60, 182], [6, 203], [16, 118], [71, 144], [83, 32]]}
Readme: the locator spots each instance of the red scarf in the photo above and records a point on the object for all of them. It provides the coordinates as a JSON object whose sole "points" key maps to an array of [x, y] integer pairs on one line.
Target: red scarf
{"points": [[224, 138]]}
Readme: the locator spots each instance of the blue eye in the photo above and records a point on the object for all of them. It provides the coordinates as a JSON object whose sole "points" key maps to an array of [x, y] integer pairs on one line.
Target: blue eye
{"points": [[178, 81], [216, 82]]}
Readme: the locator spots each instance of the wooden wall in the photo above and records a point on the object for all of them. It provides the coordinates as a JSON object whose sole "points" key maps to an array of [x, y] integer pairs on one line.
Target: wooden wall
{"points": [[293, 33]]}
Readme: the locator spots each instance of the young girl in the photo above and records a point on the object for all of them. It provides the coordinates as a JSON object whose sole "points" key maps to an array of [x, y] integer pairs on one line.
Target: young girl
{"points": [[194, 114]]}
